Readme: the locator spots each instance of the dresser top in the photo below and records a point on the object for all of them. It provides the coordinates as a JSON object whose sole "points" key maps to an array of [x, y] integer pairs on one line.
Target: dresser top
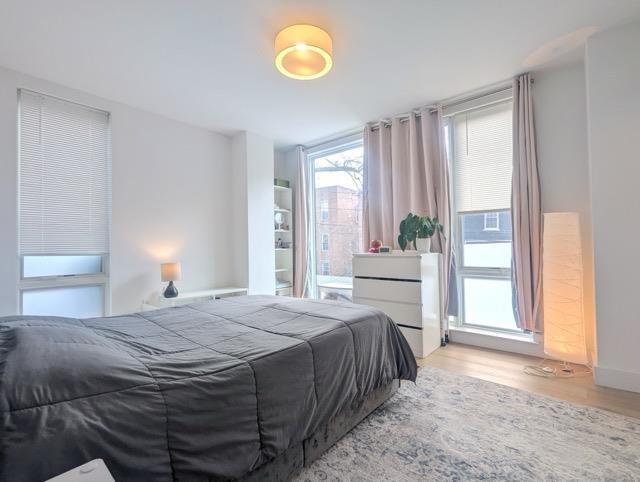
{"points": [[396, 253]]}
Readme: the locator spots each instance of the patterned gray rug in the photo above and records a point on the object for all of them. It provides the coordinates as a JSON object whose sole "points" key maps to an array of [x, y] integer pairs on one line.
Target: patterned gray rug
{"points": [[452, 427]]}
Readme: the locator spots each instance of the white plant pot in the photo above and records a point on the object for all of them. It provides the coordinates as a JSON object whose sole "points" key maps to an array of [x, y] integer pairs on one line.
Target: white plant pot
{"points": [[423, 245]]}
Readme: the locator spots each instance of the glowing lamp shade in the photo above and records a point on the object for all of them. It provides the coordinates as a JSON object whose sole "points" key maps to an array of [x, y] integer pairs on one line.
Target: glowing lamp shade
{"points": [[303, 52], [170, 271], [562, 281]]}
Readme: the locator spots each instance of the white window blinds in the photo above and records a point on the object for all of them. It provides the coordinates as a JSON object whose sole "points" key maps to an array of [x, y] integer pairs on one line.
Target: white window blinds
{"points": [[64, 177], [483, 158]]}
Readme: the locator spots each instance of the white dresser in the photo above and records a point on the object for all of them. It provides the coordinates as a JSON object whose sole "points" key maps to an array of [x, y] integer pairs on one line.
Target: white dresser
{"points": [[406, 286]]}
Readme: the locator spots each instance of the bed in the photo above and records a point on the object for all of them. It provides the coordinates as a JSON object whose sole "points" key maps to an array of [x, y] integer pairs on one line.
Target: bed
{"points": [[247, 387]]}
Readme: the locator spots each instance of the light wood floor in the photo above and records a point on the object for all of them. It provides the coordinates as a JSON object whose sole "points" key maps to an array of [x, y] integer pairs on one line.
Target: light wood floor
{"points": [[507, 369]]}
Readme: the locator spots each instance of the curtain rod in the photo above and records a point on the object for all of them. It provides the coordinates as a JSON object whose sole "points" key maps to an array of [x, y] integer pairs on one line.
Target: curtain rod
{"points": [[444, 105], [448, 103], [433, 108]]}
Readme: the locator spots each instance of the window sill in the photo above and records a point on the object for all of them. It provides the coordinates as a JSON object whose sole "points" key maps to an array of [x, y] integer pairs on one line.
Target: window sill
{"points": [[524, 337], [524, 344]]}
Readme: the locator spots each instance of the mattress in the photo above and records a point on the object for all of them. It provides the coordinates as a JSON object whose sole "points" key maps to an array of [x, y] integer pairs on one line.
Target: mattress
{"points": [[195, 392]]}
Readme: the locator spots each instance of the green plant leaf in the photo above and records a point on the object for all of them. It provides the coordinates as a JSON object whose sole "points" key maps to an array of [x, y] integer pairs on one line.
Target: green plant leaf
{"points": [[402, 241]]}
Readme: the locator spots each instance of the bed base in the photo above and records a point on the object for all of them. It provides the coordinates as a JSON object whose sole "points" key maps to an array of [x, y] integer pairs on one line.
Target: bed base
{"points": [[283, 467]]}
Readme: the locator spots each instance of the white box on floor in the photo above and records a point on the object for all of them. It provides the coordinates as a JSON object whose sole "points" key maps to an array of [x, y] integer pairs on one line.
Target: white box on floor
{"points": [[406, 286], [93, 471]]}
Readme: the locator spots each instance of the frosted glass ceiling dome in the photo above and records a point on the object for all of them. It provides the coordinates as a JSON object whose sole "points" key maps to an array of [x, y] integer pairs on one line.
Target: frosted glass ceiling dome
{"points": [[303, 52]]}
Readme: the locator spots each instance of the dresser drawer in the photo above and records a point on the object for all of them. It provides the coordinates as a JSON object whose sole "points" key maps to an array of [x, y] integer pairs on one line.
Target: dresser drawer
{"points": [[383, 266], [414, 337], [387, 290], [402, 313], [422, 342]]}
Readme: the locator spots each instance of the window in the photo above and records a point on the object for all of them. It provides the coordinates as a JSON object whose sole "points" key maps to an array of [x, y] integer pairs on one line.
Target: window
{"points": [[64, 206], [324, 246], [491, 222], [480, 148], [324, 211], [336, 171]]}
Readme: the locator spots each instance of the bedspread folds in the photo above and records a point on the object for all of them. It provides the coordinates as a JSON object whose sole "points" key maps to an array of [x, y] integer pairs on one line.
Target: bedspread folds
{"points": [[206, 390]]}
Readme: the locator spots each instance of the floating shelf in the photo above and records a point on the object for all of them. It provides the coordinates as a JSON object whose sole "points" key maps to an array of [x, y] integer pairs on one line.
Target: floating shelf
{"points": [[280, 210], [282, 270], [282, 230], [281, 188], [283, 249]]}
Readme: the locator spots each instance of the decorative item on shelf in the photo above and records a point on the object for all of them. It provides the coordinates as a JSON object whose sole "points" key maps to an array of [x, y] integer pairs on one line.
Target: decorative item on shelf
{"points": [[170, 272], [281, 182], [375, 246], [418, 231], [285, 244], [279, 220], [385, 250]]}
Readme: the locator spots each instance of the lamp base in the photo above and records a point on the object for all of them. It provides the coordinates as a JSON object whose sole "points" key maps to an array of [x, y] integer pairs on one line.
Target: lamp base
{"points": [[170, 291]]}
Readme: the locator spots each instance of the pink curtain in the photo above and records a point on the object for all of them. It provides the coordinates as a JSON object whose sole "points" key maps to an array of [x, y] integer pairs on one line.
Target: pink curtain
{"points": [[406, 171], [525, 209], [301, 223]]}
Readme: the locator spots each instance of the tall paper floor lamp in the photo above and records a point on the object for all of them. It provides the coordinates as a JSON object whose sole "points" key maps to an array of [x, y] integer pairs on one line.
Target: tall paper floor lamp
{"points": [[563, 293]]}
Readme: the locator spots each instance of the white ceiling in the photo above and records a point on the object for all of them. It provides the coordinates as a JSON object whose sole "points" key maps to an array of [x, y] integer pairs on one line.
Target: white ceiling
{"points": [[210, 62]]}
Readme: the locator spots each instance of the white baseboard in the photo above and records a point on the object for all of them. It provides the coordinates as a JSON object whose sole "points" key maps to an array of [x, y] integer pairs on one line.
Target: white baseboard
{"points": [[623, 380], [502, 342]]}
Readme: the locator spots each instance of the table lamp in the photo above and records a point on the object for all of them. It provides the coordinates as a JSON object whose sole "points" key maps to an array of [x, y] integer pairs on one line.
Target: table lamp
{"points": [[170, 272]]}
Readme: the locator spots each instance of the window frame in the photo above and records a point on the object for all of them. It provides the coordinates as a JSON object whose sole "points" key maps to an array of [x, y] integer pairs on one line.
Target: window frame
{"points": [[324, 213], [313, 153], [463, 272], [497, 219], [324, 246], [102, 278]]}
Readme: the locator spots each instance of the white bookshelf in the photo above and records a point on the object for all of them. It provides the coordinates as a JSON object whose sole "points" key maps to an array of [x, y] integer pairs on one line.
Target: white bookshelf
{"points": [[283, 204]]}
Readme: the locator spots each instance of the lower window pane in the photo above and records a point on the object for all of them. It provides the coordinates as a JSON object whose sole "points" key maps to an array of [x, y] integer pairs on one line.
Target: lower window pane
{"points": [[495, 255], [60, 265], [335, 288], [486, 239], [70, 301], [487, 302]]}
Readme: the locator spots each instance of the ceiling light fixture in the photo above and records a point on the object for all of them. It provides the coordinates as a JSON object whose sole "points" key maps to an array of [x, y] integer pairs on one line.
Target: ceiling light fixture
{"points": [[303, 52]]}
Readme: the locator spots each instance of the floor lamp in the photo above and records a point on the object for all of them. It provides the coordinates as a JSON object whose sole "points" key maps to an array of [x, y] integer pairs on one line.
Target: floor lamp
{"points": [[562, 294]]}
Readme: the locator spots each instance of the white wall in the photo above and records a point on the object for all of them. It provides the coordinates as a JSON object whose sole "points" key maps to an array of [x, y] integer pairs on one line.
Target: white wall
{"points": [[171, 189], [253, 170], [285, 164], [239, 208], [613, 104], [561, 128]]}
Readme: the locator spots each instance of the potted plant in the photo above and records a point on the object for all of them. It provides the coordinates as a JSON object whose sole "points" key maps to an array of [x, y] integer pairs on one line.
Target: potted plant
{"points": [[418, 231]]}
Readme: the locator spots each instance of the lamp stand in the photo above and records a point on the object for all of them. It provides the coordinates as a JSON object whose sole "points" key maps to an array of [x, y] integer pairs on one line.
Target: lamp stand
{"points": [[170, 291]]}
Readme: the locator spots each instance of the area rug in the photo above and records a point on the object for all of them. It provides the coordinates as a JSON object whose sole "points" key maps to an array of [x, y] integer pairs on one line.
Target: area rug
{"points": [[453, 427]]}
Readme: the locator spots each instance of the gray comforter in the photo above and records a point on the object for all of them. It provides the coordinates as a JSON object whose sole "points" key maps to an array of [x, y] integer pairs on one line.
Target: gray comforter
{"points": [[201, 391]]}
